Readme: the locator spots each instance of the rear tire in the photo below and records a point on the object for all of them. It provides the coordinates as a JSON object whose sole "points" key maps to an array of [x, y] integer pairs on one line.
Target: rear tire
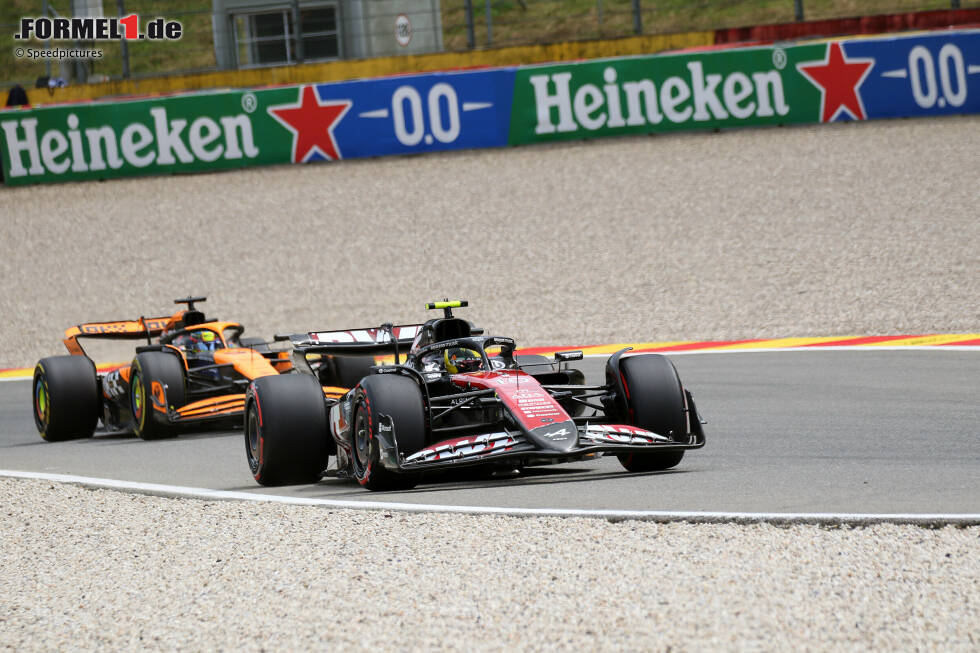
{"points": [[399, 398], [150, 372], [655, 398], [286, 434], [67, 404]]}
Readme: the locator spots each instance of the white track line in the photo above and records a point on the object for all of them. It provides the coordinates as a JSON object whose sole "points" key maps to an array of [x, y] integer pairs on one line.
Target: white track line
{"points": [[612, 515], [974, 348]]}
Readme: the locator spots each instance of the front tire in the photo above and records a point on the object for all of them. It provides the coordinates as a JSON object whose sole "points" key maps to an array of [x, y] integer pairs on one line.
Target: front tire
{"points": [[655, 399], [66, 398], [395, 397], [151, 371], [286, 434]]}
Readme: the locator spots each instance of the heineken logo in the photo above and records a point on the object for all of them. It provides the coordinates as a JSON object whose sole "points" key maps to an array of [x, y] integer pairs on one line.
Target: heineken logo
{"points": [[564, 106], [161, 141]]}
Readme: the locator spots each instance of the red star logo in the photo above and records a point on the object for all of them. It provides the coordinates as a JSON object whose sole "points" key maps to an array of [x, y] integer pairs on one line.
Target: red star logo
{"points": [[312, 123], [838, 79]]}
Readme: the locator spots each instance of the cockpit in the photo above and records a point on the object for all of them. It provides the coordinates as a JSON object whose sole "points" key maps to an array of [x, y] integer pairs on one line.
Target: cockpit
{"points": [[198, 341], [467, 355], [201, 340]]}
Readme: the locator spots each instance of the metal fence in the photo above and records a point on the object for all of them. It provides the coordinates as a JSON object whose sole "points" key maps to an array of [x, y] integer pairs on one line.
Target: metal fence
{"points": [[465, 24]]}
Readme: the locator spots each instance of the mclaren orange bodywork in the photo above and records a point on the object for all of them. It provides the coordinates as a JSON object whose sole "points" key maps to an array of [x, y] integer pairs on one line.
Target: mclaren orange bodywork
{"points": [[246, 362], [215, 406], [232, 364]]}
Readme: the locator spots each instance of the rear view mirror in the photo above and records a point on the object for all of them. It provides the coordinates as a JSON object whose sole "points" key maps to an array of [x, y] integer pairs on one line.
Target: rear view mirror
{"points": [[566, 356]]}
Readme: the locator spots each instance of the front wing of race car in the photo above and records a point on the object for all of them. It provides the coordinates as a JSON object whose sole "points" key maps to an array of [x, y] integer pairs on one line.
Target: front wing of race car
{"points": [[488, 448]]}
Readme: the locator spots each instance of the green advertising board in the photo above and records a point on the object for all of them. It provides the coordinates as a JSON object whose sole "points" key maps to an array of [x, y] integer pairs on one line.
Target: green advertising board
{"points": [[185, 133], [704, 90]]}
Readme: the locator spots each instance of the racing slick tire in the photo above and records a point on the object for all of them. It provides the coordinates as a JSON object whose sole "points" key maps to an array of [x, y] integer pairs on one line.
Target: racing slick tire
{"points": [[399, 398], [655, 398], [154, 370], [286, 434], [66, 398]]}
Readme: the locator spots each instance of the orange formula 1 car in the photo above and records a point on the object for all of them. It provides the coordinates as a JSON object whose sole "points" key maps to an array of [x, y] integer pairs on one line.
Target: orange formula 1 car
{"points": [[191, 371]]}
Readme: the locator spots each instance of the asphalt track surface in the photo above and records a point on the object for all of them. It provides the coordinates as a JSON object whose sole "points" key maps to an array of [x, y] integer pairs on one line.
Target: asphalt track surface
{"points": [[842, 432]]}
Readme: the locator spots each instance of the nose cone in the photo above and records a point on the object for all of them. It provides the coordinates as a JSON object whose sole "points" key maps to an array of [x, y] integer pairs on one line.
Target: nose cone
{"points": [[562, 436]]}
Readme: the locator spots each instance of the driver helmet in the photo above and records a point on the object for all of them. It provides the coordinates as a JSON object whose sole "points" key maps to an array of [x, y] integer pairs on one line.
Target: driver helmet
{"points": [[197, 341], [187, 341], [207, 340], [461, 359]]}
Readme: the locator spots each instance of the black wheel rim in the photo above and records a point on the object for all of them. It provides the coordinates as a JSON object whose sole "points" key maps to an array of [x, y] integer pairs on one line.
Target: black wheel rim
{"points": [[362, 440], [252, 437]]}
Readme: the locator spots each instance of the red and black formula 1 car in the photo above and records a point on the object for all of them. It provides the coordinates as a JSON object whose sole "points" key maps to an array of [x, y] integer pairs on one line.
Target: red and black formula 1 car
{"points": [[191, 371], [460, 398]]}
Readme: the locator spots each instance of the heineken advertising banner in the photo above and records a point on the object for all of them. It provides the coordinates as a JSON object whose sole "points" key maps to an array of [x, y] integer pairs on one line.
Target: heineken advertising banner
{"points": [[291, 124], [856, 79], [850, 79]]}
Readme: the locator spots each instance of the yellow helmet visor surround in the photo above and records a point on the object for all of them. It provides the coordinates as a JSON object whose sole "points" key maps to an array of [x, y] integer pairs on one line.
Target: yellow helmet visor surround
{"points": [[207, 336], [454, 356]]}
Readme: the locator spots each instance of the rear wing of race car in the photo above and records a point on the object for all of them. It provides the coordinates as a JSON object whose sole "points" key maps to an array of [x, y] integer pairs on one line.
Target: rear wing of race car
{"points": [[386, 339], [144, 327]]}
